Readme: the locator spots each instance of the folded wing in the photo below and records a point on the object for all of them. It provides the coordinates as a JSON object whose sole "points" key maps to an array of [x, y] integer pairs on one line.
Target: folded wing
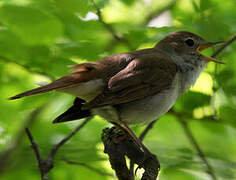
{"points": [[144, 76]]}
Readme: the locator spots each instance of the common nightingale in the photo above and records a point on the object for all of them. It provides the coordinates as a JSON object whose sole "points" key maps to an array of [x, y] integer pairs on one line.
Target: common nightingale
{"points": [[133, 87]]}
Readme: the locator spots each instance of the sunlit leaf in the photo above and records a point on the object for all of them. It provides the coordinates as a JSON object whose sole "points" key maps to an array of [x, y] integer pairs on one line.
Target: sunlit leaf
{"points": [[32, 25]]}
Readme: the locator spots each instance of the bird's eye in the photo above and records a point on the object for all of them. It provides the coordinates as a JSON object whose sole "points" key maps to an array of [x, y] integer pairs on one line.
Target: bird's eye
{"points": [[189, 42]]}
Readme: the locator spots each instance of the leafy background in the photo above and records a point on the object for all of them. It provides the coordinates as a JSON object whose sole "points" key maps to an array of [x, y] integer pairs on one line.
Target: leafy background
{"points": [[39, 39]]}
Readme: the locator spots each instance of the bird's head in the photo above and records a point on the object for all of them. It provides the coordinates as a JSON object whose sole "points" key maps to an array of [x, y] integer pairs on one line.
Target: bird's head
{"points": [[185, 44]]}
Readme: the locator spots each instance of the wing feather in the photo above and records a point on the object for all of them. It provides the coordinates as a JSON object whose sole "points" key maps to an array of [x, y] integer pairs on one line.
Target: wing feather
{"points": [[143, 76], [82, 73]]}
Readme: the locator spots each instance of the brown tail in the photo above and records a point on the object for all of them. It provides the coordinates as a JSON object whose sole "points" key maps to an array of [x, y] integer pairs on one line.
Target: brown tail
{"points": [[71, 79], [38, 90], [74, 112]]}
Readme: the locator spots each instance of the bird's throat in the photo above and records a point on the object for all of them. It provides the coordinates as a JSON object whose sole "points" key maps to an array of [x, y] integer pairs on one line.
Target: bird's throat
{"points": [[189, 74]]}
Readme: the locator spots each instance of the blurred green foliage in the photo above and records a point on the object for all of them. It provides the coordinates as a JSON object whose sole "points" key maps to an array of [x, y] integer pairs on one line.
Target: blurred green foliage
{"points": [[39, 39]]}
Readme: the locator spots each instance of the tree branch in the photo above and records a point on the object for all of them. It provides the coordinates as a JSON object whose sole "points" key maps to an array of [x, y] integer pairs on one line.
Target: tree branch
{"points": [[158, 12], [146, 130], [110, 28], [45, 165], [33, 144], [224, 46], [193, 141], [119, 144], [67, 138], [6, 154]]}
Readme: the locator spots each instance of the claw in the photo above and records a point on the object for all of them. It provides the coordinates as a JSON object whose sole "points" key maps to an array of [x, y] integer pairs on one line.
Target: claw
{"points": [[136, 170]]}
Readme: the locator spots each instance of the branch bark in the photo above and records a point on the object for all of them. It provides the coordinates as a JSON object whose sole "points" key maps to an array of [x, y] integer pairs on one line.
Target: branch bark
{"points": [[229, 42], [45, 165], [119, 144], [188, 133], [182, 119], [110, 28], [5, 156], [158, 12]]}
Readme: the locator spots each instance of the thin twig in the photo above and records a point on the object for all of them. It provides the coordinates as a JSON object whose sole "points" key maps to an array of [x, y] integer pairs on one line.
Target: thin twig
{"points": [[158, 12], [230, 41], [193, 141], [218, 51], [109, 27], [191, 138], [6, 154], [224, 46], [33, 144], [146, 130], [45, 165], [89, 167], [63, 141], [27, 68]]}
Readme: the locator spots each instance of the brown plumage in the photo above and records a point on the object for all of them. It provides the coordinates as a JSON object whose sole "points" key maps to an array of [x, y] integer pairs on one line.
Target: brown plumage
{"points": [[82, 74], [134, 87], [149, 79], [127, 77]]}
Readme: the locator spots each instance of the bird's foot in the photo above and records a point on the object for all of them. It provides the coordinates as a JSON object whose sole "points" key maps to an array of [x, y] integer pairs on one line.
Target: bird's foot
{"points": [[147, 157]]}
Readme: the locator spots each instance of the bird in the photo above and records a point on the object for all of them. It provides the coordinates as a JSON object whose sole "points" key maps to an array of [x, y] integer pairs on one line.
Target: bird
{"points": [[133, 87]]}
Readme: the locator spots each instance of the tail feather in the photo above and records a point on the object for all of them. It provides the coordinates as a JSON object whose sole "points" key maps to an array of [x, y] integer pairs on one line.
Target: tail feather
{"points": [[74, 112], [38, 90], [63, 82]]}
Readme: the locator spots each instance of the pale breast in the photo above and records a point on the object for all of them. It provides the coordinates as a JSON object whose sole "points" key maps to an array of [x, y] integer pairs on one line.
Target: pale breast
{"points": [[152, 107], [86, 91]]}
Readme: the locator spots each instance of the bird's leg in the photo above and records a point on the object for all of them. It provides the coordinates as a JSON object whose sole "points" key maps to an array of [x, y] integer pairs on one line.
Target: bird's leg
{"points": [[147, 154], [130, 132]]}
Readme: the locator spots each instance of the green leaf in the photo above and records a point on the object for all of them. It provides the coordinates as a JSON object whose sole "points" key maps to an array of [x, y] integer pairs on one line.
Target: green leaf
{"points": [[11, 46], [228, 115], [225, 76], [79, 30], [58, 66], [191, 100], [85, 50], [227, 81], [136, 37], [128, 2], [39, 56], [205, 5], [80, 7], [32, 25]]}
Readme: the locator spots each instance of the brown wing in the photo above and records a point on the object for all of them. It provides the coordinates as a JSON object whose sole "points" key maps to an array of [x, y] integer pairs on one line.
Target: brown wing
{"points": [[82, 73], [144, 76], [102, 69]]}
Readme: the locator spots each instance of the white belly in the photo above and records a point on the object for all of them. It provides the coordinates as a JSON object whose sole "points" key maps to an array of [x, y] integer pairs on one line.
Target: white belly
{"points": [[144, 110], [86, 91]]}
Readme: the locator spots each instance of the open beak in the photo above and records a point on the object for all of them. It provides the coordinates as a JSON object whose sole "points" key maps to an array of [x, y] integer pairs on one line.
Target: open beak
{"points": [[205, 45]]}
